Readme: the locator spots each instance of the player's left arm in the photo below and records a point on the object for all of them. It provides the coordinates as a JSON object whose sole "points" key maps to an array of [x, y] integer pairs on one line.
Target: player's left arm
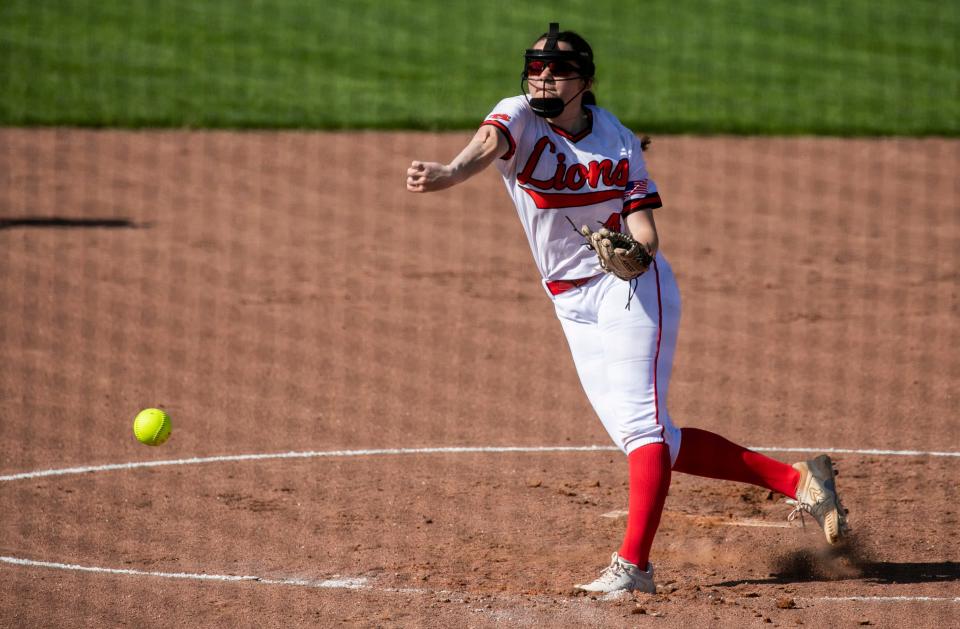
{"points": [[641, 198], [643, 228]]}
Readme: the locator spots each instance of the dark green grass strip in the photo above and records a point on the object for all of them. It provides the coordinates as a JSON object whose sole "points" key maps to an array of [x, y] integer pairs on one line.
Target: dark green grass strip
{"points": [[777, 67]]}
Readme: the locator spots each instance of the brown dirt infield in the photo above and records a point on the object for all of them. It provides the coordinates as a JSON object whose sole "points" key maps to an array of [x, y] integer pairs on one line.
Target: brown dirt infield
{"points": [[211, 274]]}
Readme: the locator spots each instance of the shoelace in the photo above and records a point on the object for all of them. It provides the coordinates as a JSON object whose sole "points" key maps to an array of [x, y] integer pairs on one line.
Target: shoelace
{"points": [[798, 509], [632, 287], [612, 571]]}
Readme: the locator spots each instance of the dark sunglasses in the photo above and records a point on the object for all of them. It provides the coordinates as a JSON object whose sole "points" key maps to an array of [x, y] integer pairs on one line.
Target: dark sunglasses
{"points": [[557, 68]]}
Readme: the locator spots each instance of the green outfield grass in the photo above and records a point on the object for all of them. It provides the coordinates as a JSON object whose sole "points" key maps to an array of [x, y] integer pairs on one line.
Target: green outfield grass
{"points": [[709, 66]]}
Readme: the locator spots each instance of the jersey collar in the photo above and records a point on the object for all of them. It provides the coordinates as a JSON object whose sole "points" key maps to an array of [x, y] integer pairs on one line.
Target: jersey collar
{"points": [[575, 138]]}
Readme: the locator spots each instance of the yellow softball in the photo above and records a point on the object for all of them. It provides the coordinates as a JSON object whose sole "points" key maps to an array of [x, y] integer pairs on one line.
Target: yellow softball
{"points": [[151, 426]]}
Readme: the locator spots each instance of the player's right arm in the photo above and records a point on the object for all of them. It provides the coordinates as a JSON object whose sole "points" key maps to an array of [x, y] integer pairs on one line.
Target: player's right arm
{"points": [[487, 145]]}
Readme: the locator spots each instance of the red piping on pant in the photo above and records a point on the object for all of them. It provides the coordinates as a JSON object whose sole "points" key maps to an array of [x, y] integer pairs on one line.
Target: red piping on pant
{"points": [[656, 360]]}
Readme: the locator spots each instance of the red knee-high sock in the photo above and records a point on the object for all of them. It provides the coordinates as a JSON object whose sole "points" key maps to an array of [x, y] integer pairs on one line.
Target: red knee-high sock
{"points": [[649, 482], [704, 453]]}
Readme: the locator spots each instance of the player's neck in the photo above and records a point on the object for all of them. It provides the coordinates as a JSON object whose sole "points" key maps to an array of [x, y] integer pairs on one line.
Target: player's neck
{"points": [[573, 120]]}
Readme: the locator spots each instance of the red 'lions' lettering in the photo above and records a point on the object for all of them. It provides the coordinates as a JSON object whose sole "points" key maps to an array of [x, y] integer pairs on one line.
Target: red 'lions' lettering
{"points": [[577, 175]]}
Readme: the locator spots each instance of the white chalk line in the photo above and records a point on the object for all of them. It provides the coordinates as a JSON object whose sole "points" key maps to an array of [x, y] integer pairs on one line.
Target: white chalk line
{"points": [[362, 583], [356, 583], [348, 584], [757, 524], [405, 451], [298, 455], [884, 599]]}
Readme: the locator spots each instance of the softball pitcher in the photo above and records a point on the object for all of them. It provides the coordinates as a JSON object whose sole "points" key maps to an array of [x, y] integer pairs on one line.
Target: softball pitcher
{"points": [[570, 166]]}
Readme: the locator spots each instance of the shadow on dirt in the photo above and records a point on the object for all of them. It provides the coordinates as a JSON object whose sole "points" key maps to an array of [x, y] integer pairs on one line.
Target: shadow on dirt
{"points": [[890, 572], [883, 572], [58, 222], [847, 561]]}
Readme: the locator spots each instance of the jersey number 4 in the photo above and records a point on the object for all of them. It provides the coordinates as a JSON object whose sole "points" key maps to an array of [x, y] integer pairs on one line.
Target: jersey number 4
{"points": [[613, 222]]}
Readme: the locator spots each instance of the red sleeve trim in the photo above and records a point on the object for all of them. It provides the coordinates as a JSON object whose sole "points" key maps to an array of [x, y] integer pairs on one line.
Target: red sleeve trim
{"points": [[649, 202], [506, 133]]}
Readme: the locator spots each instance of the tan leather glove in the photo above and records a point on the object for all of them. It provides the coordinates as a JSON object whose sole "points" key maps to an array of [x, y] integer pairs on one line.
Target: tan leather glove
{"points": [[618, 253]]}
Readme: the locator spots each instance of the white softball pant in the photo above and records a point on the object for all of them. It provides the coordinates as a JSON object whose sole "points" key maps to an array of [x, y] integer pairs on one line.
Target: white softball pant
{"points": [[624, 355]]}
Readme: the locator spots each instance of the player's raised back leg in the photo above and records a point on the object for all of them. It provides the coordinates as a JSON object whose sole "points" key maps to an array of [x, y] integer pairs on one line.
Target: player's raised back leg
{"points": [[810, 485]]}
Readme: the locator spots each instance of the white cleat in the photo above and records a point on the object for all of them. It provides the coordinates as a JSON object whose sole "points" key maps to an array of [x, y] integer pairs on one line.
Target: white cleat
{"points": [[621, 576], [817, 495]]}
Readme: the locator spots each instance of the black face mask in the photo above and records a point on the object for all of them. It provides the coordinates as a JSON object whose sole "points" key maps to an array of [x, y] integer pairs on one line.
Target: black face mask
{"points": [[547, 107], [550, 107], [553, 106]]}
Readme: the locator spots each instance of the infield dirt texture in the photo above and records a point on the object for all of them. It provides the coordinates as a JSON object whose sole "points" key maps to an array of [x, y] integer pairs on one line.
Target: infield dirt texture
{"points": [[219, 275], [297, 313]]}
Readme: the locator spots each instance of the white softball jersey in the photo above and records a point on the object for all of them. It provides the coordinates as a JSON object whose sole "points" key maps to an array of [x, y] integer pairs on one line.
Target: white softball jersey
{"points": [[551, 176], [622, 334]]}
